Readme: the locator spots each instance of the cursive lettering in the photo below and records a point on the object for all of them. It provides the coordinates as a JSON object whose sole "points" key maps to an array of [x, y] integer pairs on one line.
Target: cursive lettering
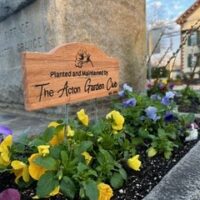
{"points": [[89, 87]]}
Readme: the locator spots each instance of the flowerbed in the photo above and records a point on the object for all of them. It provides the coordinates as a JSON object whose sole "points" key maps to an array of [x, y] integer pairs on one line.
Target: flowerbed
{"points": [[91, 160], [189, 101]]}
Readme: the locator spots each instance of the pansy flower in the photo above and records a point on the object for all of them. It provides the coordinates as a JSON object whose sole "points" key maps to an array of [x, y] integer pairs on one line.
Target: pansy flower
{"points": [[134, 163], [130, 102], [155, 97], [4, 132], [118, 120], [170, 94], [43, 150], [166, 100], [169, 116], [35, 170], [20, 169], [5, 151], [105, 191], [87, 157], [125, 88], [151, 113], [58, 137], [83, 117]]}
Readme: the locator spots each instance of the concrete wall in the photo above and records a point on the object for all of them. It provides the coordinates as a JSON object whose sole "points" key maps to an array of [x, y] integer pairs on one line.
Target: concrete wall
{"points": [[116, 26]]}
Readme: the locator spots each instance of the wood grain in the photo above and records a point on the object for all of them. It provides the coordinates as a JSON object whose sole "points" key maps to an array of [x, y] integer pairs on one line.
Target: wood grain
{"points": [[67, 74]]}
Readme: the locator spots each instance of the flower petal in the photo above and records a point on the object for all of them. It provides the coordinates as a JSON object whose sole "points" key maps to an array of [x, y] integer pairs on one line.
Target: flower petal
{"points": [[35, 170]]}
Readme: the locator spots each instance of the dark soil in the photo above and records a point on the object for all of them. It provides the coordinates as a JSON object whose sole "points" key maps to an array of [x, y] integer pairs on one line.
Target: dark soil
{"points": [[138, 185], [192, 105], [193, 108]]}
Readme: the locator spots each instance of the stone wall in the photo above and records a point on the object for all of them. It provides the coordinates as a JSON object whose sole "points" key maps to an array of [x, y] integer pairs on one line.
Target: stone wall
{"points": [[116, 26]]}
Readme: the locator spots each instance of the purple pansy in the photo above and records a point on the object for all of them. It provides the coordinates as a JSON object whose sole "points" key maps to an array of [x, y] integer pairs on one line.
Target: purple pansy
{"points": [[121, 93], [128, 88], [130, 102], [125, 87], [166, 100], [170, 94], [4, 132], [10, 194], [168, 116], [155, 97], [149, 84], [151, 113], [161, 86], [171, 86]]}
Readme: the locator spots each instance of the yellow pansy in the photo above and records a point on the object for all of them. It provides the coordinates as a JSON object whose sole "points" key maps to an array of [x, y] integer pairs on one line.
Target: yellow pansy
{"points": [[118, 120], [5, 151], [151, 152], [134, 163], [55, 191], [105, 191], [87, 157], [83, 118], [43, 149], [35, 171], [70, 132], [20, 169], [164, 81], [58, 137]]}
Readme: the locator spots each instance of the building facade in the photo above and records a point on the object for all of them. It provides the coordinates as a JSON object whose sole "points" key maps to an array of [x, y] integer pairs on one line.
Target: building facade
{"points": [[190, 38]]}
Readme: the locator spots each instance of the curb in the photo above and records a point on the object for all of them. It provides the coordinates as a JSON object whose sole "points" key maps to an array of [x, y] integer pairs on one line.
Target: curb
{"points": [[182, 182]]}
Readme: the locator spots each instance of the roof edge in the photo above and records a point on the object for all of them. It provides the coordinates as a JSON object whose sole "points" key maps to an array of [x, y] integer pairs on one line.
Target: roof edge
{"points": [[188, 12]]}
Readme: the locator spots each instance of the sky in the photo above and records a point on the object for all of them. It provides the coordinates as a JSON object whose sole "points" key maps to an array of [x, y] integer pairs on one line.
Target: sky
{"points": [[167, 9]]}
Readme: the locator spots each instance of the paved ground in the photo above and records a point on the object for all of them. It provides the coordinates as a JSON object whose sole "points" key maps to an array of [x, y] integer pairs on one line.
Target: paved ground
{"points": [[182, 182], [180, 87]]}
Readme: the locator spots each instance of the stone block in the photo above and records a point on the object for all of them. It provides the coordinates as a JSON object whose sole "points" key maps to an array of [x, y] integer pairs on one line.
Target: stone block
{"points": [[8, 7], [117, 27]]}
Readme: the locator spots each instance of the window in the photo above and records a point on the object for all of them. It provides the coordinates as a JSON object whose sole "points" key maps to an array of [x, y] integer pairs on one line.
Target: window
{"points": [[198, 38], [194, 38], [193, 60]]}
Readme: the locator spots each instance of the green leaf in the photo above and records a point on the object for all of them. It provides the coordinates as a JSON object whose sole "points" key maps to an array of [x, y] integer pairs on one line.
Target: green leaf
{"points": [[161, 133], [56, 151], [49, 133], [123, 173], [84, 146], [151, 152], [68, 187], [106, 155], [36, 142], [91, 190], [167, 154], [82, 167], [46, 184], [116, 181], [47, 162], [143, 133], [64, 158]]}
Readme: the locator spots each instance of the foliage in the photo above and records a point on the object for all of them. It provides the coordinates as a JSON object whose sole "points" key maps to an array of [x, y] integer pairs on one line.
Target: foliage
{"points": [[158, 87], [190, 99], [159, 72], [87, 160]]}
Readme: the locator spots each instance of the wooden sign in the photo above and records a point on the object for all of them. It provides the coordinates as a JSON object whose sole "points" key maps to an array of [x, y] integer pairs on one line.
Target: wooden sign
{"points": [[67, 74]]}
